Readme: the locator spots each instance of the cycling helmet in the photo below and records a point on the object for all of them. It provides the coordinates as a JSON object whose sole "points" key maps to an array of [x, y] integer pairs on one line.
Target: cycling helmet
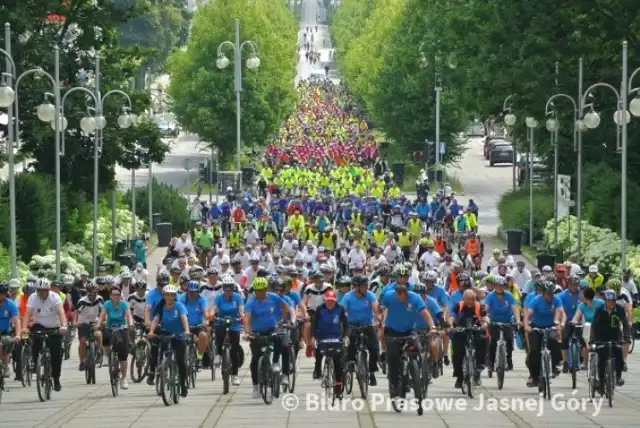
{"points": [[228, 283], [614, 284], [196, 273], [32, 279], [108, 280], [170, 289], [316, 275], [325, 268], [126, 274], [262, 273], [99, 280], [213, 271], [278, 284], [140, 285], [547, 287], [29, 288], [546, 269], [43, 284], [574, 279], [610, 295], [401, 270], [480, 275], [124, 269], [498, 280], [91, 288], [162, 278], [344, 281], [4, 287], [420, 288], [67, 279], [193, 286], [464, 280], [56, 283], [176, 269], [259, 284], [431, 276], [254, 258], [384, 269], [184, 277], [360, 280]]}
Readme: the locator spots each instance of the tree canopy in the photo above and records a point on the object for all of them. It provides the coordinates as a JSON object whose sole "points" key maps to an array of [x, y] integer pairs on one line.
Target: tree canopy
{"points": [[204, 101]]}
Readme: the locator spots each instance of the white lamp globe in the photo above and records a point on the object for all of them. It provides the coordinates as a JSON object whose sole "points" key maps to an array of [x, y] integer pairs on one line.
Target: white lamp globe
{"points": [[88, 124], [46, 112], [62, 124], [592, 120], [7, 96], [101, 122], [634, 106], [257, 61], [552, 125], [531, 122], [580, 126], [124, 121], [222, 62], [619, 115], [510, 119]]}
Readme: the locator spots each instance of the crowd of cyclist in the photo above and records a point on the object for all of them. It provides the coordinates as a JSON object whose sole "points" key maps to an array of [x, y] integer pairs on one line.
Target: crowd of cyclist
{"points": [[323, 271]]}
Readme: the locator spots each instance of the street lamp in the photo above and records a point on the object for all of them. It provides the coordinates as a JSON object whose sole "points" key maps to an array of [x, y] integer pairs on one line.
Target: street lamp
{"points": [[532, 123], [510, 120], [252, 62], [553, 125], [9, 99]]}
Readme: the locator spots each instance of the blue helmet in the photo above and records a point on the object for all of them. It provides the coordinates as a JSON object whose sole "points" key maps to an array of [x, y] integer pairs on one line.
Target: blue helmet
{"points": [[193, 286], [610, 295]]}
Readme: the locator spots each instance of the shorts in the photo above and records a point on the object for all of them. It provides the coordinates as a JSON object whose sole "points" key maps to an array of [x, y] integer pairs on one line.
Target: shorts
{"points": [[84, 330], [196, 330]]}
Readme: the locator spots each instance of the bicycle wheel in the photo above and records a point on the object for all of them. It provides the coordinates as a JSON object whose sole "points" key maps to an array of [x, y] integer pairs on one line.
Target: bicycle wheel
{"points": [[416, 383], [611, 378], [593, 374], [349, 372], [1, 381], [26, 362], [328, 379], [425, 373], [90, 364], [293, 371], [67, 343], [470, 363], [212, 354], [632, 344], [275, 380], [41, 379], [139, 362], [164, 386], [574, 358], [226, 369], [264, 380], [174, 381], [545, 379], [193, 368], [501, 363], [114, 371], [362, 373]]}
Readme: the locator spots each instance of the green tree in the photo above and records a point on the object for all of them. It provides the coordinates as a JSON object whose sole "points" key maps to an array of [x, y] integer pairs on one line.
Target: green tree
{"points": [[204, 101]]}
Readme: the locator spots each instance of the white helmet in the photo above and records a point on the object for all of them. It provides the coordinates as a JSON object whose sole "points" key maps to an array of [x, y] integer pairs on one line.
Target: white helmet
{"points": [[254, 258], [593, 269], [43, 284], [170, 289], [229, 189]]}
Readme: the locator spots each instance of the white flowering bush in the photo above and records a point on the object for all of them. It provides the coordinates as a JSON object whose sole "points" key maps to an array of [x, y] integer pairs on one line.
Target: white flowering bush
{"points": [[104, 235], [78, 252], [47, 264]]}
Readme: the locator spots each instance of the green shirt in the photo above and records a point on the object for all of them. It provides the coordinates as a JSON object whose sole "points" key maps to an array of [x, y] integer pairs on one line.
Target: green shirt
{"points": [[205, 239]]}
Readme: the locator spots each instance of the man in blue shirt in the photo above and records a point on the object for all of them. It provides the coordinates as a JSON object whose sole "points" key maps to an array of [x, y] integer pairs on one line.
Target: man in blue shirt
{"points": [[544, 311], [361, 305], [402, 273], [9, 315], [260, 318], [229, 304], [328, 328], [197, 313], [403, 307], [280, 288], [502, 308], [570, 299]]}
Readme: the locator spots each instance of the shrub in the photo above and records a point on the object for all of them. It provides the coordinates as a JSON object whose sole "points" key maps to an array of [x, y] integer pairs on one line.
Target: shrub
{"points": [[167, 200], [513, 210]]}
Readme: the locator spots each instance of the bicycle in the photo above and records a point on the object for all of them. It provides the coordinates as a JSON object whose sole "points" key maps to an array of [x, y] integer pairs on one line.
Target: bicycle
{"points": [[268, 382], [544, 383], [329, 349], [2, 369], [410, 376], [141, 355], [26, 362], [428, 368], [44, 379], [574, 354], [361, 364], [609, 371], [114, 363], [211, 350], [68, 340], [225, 366], [91, 356], [469, 369], [192, 358], [293, 350], [168, 386]]}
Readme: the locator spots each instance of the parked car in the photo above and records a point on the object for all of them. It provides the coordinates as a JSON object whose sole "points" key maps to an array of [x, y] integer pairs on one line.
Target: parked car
{"points": [[490, 141], [168, 128], [476, 129], [541, 172], [501, 153]]}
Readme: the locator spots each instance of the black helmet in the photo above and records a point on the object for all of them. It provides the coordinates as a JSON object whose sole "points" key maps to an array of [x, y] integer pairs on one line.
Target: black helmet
{"points": [[140, 285], [4, 287], [420, 288], [344, 281], [547, 287], [162, 278], [262, 273], [464, 280], [278, 284], [360, 280]]}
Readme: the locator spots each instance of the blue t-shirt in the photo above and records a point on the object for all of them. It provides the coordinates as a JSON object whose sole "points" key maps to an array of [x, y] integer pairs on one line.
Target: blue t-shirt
{"points": [[195, 308], [590, 311], [229, 308], [263, 312], [402, 316], [440, 295], [359, 308], [295, 298], [392, 287], [278, 313], [8, 310], [115, 314], [543, 312], [153, 298], [456, 297], [529, 299], [499, 307], [434, 309], [570, 302], [170, 320], [530, 287]]}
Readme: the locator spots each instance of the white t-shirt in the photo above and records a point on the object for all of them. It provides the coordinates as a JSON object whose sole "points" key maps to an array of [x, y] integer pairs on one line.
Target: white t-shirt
{"points": [[429, 259], [88, 310], [251, 237], [357, 258], [137, 304], [45, 311]]}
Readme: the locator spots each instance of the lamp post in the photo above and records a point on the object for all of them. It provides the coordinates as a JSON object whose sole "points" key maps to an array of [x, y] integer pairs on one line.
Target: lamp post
{"points": [[553, 125], [157, 97], [532, 123], [252, 62], [509, 121], [47, 113]]}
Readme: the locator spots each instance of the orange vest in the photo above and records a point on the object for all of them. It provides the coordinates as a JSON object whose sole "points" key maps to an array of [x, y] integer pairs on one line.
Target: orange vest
{"points": [[453, 282], [22, 305], [476, 308], [472, 247], [440, 246]]}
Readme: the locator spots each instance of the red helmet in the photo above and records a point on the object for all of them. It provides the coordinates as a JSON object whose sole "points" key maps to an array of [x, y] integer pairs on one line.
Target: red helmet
{"points": [[330, 295]]}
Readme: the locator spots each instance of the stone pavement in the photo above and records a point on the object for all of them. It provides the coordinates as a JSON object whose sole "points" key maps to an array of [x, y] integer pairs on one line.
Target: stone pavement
{"points": [[80, 405]]}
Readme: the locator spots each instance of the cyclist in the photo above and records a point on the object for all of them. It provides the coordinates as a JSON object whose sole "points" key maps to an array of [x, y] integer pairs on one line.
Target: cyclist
{"points": [[116, 314], [595, 279], [466, 313], [344, 286], [501, 307], [401, 274], [229, 303], [87, 311], [543, 311], [438, 292], [197, 313], [170, 316], [14, 289], [44, 309], [260, 318], [402, 309], [9, 316], [313, 297], [154, 297], [586, 311], [437, 314], [330, 323], [361, 306], [570, 298], [280, 288], [624, 300], [606, 325], [137, 301]]}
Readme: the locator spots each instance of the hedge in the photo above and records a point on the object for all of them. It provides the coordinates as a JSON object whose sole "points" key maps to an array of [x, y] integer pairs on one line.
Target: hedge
{"points": [[167, 200], [513, 210]]}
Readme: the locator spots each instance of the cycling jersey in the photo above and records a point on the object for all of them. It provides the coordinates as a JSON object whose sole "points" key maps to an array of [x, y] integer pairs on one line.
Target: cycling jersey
{"points": [[88, 310], [316, 296]]}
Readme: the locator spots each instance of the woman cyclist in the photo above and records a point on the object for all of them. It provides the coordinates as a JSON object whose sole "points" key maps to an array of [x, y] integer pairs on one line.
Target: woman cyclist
{"points": [[116, 314], [229, 304]]}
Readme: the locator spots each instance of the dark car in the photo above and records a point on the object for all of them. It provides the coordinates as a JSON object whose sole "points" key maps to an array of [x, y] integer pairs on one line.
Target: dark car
{"points": [[501, 153], [541, 172], [490, 141]]}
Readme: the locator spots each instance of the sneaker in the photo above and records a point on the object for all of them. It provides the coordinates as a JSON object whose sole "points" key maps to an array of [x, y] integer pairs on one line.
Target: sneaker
{"points": [[276, 367], [184, 391], [477, 380], [235, 380], [151, 379], [372, 379], [256, 392], [445, 359], [82, 366], [124, 384], [565, 367], [217, 360], [309, 351], [509, 364], [619, 381], [624, 366], [317, 374], [56, 385], [458, 383]]}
